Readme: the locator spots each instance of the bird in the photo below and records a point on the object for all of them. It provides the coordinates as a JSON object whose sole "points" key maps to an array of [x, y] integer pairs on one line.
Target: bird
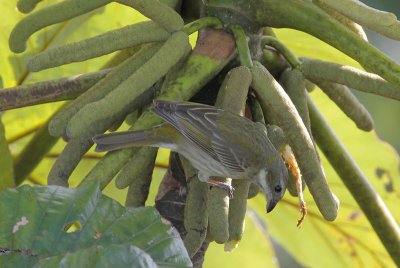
{"points": [[218, 143]]}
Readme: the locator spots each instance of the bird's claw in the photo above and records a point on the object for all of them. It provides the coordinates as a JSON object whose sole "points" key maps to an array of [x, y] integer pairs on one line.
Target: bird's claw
{"points": [[222, 185]]}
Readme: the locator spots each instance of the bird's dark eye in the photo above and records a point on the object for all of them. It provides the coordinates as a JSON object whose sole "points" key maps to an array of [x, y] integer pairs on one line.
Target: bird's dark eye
{"points": [[278, 188]]}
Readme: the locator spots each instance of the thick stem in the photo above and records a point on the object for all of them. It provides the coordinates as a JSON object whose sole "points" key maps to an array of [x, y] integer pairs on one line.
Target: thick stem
{"points": [[49, 91], [357, 183]]}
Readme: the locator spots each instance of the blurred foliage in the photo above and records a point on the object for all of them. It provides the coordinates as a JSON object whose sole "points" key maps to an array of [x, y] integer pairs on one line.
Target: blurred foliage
{"points": [[347, 242]]}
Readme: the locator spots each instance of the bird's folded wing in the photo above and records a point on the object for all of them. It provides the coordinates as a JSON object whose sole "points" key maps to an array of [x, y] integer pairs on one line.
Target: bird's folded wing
{"points": [[198, 123]]}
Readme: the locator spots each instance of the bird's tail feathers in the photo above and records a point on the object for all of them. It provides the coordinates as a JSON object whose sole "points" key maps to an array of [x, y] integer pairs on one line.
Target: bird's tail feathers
{"points": [[155, 137]]}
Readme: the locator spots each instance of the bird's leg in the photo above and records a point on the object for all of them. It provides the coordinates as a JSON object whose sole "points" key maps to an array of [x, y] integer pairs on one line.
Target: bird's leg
{"points": [[219, 184], [222, 185], [294, 168]]}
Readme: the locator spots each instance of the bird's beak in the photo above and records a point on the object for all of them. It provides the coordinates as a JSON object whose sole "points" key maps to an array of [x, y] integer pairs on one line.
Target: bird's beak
{"points": [[270, 205], [271, 202]]}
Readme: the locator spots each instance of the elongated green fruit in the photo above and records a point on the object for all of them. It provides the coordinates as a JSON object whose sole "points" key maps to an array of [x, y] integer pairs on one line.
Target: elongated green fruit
{"points": [[68, 160], [218, 213], [256, 110], [232, 97], [348, 103], [197, 70], [26, 6], [59, 123], [237, 213], [143, 99], [49, 91], [292, 80], [346, 21], [135, 171], [157, 11], [294, 83], [121, 56], [275, 101], [275, 43], [349, 76], [121, 98], [357, 183], [258, 116], [116, 125], [137, 174], [78, 146], [196, 216], [274, 61], [105, 169], [382, 22], [133, 117], [128, 36], [47, 16], [232, 94]]}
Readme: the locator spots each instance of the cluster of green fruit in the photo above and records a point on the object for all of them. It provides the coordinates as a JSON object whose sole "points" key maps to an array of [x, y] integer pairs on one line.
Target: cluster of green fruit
{"points": [[157, 61]]}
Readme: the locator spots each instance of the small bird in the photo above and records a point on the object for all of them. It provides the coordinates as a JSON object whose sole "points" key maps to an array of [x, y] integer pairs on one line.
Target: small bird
{"points": [[216, 142]]}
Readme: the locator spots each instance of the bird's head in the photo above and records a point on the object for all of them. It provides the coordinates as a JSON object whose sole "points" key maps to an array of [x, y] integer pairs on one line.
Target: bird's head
{"points": [[273, 180]]}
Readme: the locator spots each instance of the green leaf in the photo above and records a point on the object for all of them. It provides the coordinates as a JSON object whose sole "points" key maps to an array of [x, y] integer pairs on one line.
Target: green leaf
{"points": [[82, 227]]}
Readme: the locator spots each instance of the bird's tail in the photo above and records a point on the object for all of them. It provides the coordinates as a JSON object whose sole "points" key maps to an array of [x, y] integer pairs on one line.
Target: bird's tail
{"points": [[160, 136]]}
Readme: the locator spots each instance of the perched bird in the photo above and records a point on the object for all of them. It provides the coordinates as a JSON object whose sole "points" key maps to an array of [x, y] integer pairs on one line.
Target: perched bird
{"points": [[216, 142]]}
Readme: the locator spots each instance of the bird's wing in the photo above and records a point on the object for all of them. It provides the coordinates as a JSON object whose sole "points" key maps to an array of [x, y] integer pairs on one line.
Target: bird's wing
{"points": [[198, 123]]}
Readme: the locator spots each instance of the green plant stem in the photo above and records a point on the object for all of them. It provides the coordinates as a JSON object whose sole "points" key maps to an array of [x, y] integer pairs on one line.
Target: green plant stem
{"points": [[285, 51], [202, 23], [356, 182], [242, 45], [49, 91]]}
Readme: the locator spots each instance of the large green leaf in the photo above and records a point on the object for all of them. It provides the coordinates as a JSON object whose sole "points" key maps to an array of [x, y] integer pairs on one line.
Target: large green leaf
{"points": [[82, 228]]}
